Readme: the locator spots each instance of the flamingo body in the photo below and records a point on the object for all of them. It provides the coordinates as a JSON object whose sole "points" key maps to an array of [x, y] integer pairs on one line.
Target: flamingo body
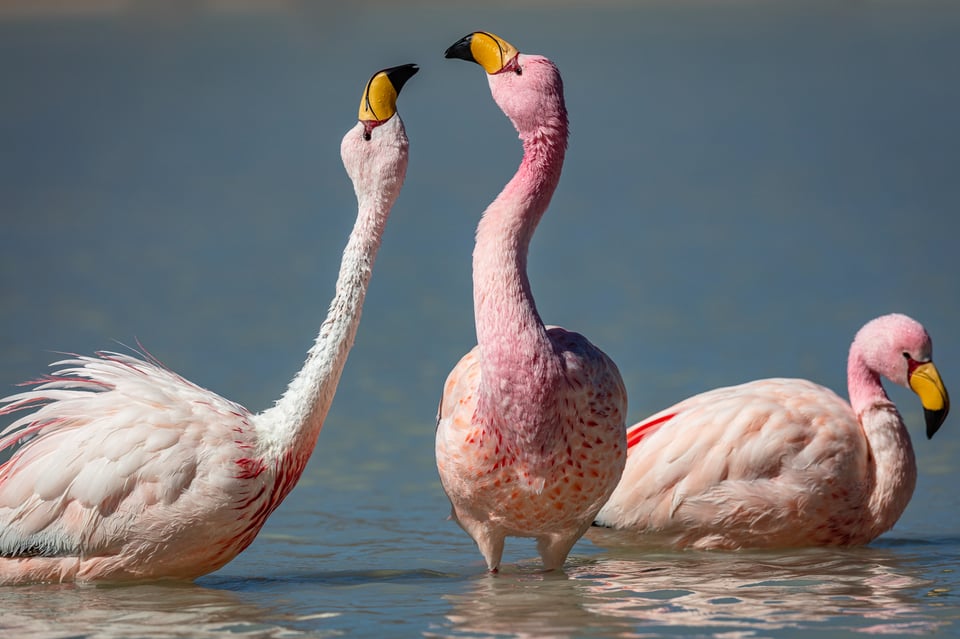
{"points": [[123, 470], [530, 435], [122, 462], [542, 485], [780, 462]]}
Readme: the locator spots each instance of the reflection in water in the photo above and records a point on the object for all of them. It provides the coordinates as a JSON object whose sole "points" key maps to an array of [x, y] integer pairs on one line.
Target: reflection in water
{"points": [[759, 590], [525, 604], [873, 592], [59, 611]]}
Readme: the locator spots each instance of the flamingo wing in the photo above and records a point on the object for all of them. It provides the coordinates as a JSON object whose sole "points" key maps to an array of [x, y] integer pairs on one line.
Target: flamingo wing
{"points": [[459, 389], [747, 460], [463, 447], [112, 441]]}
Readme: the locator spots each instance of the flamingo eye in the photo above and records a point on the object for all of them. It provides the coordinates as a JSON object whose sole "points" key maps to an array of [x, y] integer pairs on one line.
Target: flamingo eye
{"points": [[366, 136], [906, 356], [518, 71]]}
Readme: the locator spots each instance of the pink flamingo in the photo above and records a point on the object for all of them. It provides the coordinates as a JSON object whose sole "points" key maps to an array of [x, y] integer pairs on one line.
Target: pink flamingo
{"points": [[781, 462], [127, 471], [530, 430]]}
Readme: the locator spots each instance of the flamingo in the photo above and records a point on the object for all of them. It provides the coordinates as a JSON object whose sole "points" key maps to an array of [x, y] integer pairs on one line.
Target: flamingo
{"points": [[531, 436], [126, 471], [781, 462]]}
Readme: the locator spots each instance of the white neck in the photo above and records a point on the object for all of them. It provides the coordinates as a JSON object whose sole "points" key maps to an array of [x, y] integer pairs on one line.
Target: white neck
{"points": [[295, 421], [893, 465]]}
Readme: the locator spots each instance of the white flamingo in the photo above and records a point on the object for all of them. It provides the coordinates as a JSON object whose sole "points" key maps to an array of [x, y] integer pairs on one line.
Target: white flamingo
{"points": [[126, 471]]}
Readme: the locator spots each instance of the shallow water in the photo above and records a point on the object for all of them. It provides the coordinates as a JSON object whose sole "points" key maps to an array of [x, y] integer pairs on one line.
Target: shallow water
{"points": [[747, 184]]}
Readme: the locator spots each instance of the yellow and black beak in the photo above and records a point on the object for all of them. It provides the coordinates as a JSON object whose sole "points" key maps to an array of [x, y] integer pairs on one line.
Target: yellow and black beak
{"points": [[492, 53], [925, 381], [379, 101]]}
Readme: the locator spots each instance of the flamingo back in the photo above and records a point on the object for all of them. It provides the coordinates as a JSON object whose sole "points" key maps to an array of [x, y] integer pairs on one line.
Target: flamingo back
{"points": [[781, 460], [120, 460]]}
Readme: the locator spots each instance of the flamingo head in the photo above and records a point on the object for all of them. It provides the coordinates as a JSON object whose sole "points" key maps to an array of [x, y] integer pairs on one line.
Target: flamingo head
{"points": [[528, 88], [374, 152], [899, 348]]}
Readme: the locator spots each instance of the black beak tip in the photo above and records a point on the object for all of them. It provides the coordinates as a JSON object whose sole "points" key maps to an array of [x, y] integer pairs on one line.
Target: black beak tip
{"points": [[400, 74], [460, 49], [934, 419]]}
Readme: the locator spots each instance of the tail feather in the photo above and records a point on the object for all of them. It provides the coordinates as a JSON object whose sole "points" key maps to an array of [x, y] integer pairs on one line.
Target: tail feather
{"points": [[58, 399]]}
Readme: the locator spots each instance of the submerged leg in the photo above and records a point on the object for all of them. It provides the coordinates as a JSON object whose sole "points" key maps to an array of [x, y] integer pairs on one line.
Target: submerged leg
{"points": [[489, 539], [492, 550], [554, 549]]}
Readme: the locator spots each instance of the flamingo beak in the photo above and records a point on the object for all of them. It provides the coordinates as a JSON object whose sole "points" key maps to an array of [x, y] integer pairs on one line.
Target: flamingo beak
{"points": [[926, 383], [379, 101], [491, 52]]}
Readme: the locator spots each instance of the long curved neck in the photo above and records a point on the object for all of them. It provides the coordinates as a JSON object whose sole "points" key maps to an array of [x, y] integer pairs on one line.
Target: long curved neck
{"points": [[515, 351], [295, 421], [892, 466]]}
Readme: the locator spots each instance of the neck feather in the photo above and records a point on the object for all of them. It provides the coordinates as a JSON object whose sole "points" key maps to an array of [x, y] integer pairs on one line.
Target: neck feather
{"points": [[892, 467], [295, 421], [515, 350], [892, 464]]}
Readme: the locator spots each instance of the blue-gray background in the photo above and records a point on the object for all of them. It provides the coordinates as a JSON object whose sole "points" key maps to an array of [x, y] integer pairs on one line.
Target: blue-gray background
{"points": [[747, 183]]}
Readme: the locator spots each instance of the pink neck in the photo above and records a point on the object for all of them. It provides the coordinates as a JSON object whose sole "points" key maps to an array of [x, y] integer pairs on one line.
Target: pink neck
{"points": [[517, 357], [892, 468], [863, 383]]}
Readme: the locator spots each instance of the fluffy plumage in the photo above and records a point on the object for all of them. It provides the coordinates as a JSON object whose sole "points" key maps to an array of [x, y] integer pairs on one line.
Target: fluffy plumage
{"points": [[781, 462], [124, 470]]}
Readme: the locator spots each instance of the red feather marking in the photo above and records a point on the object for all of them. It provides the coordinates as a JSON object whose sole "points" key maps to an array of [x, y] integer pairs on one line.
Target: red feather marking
{"points": [[641, 430], [249, 501], [24, 434], [250, 468], [13, 407]]}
